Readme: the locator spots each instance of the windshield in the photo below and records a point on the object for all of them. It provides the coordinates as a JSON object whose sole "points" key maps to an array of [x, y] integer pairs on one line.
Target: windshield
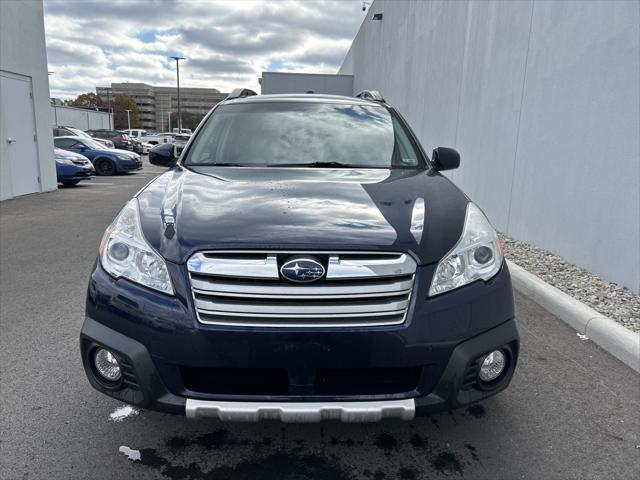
{"points": [[91, 143], [80, 133], [294, 134]]}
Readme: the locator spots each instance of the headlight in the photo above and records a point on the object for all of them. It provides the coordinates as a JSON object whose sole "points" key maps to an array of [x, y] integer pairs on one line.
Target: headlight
{"points": [[65, 161], [124, 252], [124, 157], [477, 255]]}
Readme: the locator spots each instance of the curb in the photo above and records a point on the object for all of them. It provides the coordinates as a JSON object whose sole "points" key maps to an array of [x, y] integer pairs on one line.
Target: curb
{"points": [[604, 332]]}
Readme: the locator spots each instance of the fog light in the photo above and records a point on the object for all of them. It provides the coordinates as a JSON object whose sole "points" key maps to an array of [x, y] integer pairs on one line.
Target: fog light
{"points": [[107, 364], [492, 366]]}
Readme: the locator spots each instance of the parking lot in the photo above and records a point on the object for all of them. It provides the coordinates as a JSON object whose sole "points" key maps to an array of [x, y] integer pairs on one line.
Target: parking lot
{"points": [[572, 410]]}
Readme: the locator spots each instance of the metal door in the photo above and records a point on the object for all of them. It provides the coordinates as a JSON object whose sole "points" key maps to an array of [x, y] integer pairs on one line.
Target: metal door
{"points": [[18, 141]]}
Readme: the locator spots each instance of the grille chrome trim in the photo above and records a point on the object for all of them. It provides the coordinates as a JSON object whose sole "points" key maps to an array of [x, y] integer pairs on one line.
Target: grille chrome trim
{"points": [[234, 267], [237, 288], [393, 266], [301, 297], [220, 286]]}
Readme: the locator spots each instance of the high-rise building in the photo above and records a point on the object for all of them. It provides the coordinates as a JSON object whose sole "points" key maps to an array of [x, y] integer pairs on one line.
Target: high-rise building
{"points": [[155, 104]]}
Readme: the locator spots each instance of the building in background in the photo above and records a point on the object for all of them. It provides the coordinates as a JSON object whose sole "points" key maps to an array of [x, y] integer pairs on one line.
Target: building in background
{"points": [[26, 143], [281, 82], [542, 99], [155, 104]]}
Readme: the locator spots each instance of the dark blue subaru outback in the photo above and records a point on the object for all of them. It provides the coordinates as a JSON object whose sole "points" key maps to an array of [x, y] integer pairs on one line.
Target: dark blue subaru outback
{"points": [[302, 260]]}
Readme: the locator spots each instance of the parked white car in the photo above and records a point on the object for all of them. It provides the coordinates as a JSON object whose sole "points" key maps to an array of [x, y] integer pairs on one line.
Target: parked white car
{"points": [[150, 138]]}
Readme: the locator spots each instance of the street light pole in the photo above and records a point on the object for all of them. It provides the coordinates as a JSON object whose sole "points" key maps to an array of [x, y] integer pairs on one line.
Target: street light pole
{"points": [[128, 119], [109, 109], [177, 59]]}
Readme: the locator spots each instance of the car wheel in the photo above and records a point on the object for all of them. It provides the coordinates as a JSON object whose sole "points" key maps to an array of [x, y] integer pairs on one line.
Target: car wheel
{"points": [[105, 167], [69, 183]]}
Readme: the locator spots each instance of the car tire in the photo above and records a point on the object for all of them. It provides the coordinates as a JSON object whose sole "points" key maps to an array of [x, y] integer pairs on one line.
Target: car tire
{"points": [[69, 183], [105, 167]]}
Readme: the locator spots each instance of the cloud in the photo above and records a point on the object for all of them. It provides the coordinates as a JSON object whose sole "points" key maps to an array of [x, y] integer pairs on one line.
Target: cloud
{"points": [[227, 43], [219, 65]]}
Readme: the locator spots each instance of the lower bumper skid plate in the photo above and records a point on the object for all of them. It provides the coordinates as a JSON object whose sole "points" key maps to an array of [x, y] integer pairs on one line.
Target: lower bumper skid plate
{"points": [[294, 412]]}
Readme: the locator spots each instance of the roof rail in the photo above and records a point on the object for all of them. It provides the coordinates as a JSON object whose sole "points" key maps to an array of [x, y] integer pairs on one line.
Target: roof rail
{"points": [[240, 93], [373, 95]]}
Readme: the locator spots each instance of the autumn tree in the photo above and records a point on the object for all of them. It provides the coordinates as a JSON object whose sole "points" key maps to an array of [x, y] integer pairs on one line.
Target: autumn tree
{"points": [[87, 100], [122, 103]]}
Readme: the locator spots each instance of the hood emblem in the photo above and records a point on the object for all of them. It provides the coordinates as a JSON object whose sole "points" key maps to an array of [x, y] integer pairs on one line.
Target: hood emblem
{"points": [[302, 270]]}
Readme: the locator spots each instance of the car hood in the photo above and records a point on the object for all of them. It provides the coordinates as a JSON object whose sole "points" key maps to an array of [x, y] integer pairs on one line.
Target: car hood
{"points": [[117, 151], [185, 210], [65, 154]]}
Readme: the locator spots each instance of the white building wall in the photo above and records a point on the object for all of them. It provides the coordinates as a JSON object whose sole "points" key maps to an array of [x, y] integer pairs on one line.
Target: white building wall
{"points": [[81, 118], [541, 98], [281, 82], [23, 52]]}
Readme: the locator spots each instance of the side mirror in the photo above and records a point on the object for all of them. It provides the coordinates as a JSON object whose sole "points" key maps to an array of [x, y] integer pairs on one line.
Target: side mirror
{"points": [[444, 158], [163, 157]]}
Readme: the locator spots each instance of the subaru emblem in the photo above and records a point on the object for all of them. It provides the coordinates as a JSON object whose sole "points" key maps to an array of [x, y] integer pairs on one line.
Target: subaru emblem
{"points": [[302, 270]]}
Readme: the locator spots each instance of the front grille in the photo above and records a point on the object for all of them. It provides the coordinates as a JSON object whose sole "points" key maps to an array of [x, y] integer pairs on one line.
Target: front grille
{"points": [[366, 381], [276, 381], [236, 381], [246, 288]]}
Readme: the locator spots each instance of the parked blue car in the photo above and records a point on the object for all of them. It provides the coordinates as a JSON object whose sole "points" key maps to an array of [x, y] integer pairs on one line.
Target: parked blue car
{"points": [[72, 167], [106, 161]]}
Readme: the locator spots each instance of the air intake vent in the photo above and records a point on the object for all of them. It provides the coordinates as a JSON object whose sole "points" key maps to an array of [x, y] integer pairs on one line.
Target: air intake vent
{"points": [[470, 376]]}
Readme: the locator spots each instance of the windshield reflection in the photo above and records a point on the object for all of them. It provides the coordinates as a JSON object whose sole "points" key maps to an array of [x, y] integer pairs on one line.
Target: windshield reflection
{"points": [[299, 134]]}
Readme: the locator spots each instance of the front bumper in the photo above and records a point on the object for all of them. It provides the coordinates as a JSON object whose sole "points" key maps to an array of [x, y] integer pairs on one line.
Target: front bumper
{"points": [[130, 166], [66, 173], [158, 339], [143, 386]]}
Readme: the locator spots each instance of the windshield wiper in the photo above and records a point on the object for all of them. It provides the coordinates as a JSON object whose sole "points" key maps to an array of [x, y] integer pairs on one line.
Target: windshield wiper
{"points": [[317, 165]]}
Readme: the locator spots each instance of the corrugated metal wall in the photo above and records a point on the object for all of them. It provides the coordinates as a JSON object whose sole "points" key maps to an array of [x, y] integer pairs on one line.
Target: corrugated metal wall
{"points": [[281, 82], [79, 118]]}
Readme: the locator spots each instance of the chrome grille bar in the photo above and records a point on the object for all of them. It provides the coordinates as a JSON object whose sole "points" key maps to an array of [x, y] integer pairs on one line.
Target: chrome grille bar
{"points": [[244, 288]]}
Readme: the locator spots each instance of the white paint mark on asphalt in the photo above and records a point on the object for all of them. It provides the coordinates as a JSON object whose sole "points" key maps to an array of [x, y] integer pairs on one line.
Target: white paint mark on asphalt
{"points": [[581, 336], [123, 412], [133, 455]]}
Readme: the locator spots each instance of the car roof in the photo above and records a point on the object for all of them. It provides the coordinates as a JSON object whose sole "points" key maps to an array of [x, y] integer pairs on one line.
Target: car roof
{"points": [[304, 98]]}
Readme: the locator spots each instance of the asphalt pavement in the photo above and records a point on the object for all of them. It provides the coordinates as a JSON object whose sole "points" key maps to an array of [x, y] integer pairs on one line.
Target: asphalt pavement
{"points": [[572, 410]]}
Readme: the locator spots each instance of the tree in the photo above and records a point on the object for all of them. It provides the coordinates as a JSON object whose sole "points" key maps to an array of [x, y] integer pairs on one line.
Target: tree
{"points": [[88, 100], [122, 103]]}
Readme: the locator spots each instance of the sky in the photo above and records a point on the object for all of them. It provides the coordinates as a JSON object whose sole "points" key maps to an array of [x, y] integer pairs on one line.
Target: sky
{"points": [[227, 43]]}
